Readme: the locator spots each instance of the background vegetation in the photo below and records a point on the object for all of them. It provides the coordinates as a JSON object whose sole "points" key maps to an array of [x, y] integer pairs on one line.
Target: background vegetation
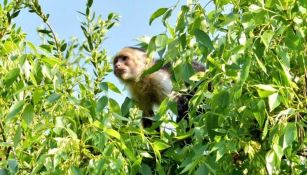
{"points": [[56, 116]]}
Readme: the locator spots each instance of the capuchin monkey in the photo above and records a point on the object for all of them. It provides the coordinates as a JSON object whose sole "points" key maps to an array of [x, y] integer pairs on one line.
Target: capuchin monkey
{"points": [[129, 65]]}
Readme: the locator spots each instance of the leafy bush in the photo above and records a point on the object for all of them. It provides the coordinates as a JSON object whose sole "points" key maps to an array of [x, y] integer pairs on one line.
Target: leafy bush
{"points": [[248, 114]]}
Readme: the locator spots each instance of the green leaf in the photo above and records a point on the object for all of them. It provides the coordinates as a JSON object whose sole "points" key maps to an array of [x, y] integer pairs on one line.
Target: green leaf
{"points": [[166, 15], [89, 3], [261, 65], [44, 31], [274, 101], [113, 133], [128, 103], [157, 66], [180, 26], [290, 135], [211, 123], [101, 103], [202, 170], [28, 114], [254, 8], [37, 95], [203, 39], [53, 97], [76, 171], [98, 124], [160, 145], [39, 164], [260, 115], [157, 14], [114, 106], [103, 86], [17, 107], [145, 169], [32, 47], [52, 61], [17, 136], [71, 133], [245, 70], [222, 99], [270, 162], [113, 87], [191, 166], [266, 87], [187, 72], [13, 166], [267, 37], [161, 41], [278, 151], [63, 47], [9, 46], [182, 137], [265, 90], [46, 48], [11, 76]]}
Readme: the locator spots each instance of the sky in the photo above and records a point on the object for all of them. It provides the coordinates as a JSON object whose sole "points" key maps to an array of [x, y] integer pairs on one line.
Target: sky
{"points": [[134, 23], [65, 20]]}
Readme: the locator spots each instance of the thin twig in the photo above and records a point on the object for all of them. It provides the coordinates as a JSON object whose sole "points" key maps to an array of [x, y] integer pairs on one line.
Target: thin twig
{"points": [[57, 44]]}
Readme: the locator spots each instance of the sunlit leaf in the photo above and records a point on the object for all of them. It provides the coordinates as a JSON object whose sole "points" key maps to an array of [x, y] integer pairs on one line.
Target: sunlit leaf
{"points": [[154, 68], [278, 151], [254, 8], [37, 95], [265, 90], [113, 87], [52, 61], [270, 162], [15, 109], [11, 76], [274, 101], [157, 14], [71, 133], [145, 154], [267, 37], [113, 133], [160, 145]]}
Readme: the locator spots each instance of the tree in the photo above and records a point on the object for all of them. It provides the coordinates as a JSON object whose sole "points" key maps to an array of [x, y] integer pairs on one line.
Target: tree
{"points": [[248, 115]]}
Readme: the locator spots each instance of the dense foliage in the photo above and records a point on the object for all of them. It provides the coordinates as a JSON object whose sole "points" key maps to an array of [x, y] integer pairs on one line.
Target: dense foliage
{"points": [[248, 115]]}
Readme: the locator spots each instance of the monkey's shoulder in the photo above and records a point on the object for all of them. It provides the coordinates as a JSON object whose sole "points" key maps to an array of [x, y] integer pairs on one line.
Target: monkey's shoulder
{"points": [[153, 88]]}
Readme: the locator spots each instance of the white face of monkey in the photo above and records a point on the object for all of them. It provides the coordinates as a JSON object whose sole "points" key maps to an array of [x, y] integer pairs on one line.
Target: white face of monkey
{"points": [[129, 64]]}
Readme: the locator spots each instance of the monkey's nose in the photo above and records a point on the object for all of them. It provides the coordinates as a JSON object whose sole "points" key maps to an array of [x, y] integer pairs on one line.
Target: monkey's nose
{"points": [[117, 65]]}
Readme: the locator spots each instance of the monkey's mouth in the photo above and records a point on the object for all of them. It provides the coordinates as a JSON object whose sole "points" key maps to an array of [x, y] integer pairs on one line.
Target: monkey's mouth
{"points": [[120, 71]]}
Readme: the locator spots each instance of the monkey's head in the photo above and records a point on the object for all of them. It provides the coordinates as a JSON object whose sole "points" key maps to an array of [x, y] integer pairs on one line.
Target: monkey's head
{"points": [[130, 63]]}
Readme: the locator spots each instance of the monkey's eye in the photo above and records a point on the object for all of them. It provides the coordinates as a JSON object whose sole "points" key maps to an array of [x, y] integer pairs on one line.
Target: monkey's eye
{"points": [[124, 58]]}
